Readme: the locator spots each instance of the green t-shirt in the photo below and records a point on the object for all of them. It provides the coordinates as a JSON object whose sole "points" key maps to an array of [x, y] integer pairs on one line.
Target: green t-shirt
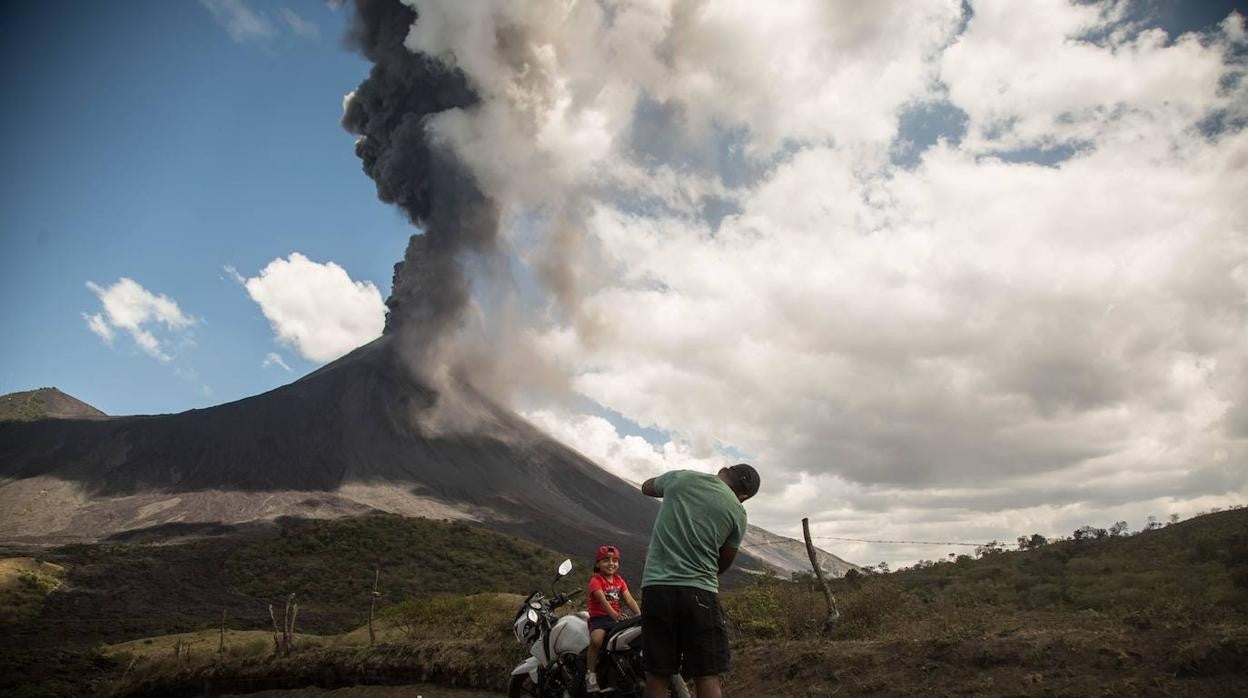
{"points": [[699, 515]]}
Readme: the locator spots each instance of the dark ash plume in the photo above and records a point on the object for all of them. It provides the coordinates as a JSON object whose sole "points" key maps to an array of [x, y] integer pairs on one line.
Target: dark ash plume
{"points": [[390, 111]]}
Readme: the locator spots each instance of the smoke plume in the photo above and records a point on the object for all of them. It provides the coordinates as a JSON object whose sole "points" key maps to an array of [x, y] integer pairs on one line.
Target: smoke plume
{"points": [[390, 112]]}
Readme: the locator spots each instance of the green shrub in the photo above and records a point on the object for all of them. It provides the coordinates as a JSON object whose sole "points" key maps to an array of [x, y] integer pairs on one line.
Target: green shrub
{"points": [[755, 611], [34, 582], [480, 616], [251, 648], [1043, 595], [867, 610]]}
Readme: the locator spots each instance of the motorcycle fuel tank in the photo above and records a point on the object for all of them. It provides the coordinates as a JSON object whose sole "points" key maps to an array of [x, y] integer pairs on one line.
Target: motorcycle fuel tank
{"points": [[569, 634]]}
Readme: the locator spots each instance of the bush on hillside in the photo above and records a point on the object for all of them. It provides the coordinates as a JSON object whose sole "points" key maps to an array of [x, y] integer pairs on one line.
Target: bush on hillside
{"points": [[333, 563]]}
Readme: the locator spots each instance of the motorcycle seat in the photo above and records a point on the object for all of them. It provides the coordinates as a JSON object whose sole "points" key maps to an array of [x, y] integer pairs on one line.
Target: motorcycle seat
{"points": [[621, 627]]}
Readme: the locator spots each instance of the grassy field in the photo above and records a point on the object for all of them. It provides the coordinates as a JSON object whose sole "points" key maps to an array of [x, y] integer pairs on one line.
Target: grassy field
{"points": [[1161, 612], [24, 584]]}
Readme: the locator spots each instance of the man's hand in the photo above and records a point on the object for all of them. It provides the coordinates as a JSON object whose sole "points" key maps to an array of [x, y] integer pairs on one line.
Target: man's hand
{"points": [[648, 489], [727, 554]]}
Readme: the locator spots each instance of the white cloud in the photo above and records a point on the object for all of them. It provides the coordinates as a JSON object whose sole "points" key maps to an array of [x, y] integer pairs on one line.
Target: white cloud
{"points": [[233, 274], [274, 359], [97, 324], [316, 308], [239, 21], [301, 27], [132, 308], [971, 348], [630, 457], [1027, 74]]}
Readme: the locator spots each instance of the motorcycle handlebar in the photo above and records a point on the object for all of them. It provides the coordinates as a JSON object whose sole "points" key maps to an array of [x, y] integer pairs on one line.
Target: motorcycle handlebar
{"points": [[561, 599]]}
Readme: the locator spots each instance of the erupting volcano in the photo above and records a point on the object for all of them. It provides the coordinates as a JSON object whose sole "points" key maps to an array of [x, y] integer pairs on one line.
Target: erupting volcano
{"points": [[396, 425]]}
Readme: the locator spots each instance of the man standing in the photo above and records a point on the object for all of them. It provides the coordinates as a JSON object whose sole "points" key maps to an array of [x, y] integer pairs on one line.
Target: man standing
{"points": [[696, 535]]}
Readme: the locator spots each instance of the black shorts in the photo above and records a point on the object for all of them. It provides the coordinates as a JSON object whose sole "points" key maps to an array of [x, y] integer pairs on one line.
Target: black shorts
{"points": [[683, 632], [600, 623]]}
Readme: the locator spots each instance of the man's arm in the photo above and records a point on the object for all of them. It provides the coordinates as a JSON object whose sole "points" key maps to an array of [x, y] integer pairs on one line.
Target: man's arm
{"points": [[727, 553], [648, 489]]}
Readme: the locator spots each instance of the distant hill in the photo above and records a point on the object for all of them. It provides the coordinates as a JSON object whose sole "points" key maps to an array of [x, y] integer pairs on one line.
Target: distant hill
{"points": [[44, 403]]}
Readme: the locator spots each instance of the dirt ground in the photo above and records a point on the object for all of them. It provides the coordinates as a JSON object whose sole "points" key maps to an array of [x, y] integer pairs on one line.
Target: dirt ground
{"points": [[410, 691], [1024, 663]]}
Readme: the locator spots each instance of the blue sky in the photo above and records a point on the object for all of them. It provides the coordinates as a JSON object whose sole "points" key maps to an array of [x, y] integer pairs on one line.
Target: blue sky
{"points": [[143, 141]]}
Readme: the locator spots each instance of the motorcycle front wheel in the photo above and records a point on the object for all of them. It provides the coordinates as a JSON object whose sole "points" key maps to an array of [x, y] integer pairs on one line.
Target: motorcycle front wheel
{"points": [[521, 685]]}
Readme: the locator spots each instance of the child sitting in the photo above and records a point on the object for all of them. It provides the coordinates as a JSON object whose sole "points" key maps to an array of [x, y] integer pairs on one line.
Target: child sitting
{"points": [[604, 592]]}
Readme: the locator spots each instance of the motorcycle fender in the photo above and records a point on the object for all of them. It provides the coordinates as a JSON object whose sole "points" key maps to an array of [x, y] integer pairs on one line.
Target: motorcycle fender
{"points": [[528, 666]]}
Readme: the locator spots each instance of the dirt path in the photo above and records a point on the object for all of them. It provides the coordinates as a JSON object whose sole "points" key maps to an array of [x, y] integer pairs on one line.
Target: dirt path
{"points": [[409, 691]]}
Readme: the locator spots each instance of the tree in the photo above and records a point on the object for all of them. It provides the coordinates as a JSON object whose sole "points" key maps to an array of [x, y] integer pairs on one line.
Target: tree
{"points": [[989, 548], [1118, 529], [1085, 533], [1032, 542]]}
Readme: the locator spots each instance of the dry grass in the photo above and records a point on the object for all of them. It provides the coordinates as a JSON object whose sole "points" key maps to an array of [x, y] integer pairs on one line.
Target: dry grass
{"points": [[24, 583]]}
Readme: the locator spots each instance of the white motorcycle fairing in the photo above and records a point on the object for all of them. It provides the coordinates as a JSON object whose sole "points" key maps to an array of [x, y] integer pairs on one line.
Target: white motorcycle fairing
{"points": [[528, 666], [623, 640]]}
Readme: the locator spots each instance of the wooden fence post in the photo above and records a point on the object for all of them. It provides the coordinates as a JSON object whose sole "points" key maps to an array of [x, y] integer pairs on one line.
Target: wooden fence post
{"points": [[829, 621], [294, 613], [288, 623], [372, 606], [221, 647], [277, 645]]}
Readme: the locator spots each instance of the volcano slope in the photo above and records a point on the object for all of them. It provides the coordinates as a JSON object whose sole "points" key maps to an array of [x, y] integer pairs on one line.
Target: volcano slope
{"points": [[345, 439], [352, 437]]}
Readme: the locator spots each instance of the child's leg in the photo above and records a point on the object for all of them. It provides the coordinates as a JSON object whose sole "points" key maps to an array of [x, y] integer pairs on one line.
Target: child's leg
{"points": [[595, 643]]}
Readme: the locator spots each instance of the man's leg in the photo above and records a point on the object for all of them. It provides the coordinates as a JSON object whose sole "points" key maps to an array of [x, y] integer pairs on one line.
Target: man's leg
{"points": [[656, 685], [660, 638], [706, 686], [705, 647]]}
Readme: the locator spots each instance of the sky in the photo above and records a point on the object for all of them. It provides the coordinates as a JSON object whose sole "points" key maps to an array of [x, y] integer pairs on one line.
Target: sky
{"points": [[942, 271]]}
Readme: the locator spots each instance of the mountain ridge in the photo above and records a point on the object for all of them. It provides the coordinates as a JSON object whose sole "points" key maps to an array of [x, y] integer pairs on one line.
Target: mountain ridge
{"points": [[351, 437]]}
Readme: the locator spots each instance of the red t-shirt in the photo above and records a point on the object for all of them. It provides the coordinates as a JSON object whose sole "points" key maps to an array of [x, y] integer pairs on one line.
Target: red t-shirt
{"points": [[613, 590]]}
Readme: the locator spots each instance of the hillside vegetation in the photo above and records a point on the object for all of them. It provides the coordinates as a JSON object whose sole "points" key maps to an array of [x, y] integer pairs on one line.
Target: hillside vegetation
{"points": [[330, 565], [1164, 611], [24, 583], [120, 592]]}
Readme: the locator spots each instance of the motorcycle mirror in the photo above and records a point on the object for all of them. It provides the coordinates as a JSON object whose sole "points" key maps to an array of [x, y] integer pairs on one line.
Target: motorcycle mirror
{"points": [[565, 567], [532, 616]]}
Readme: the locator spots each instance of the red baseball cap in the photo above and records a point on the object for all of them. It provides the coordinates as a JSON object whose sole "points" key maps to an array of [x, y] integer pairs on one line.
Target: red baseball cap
{"points": [[606, 551]]}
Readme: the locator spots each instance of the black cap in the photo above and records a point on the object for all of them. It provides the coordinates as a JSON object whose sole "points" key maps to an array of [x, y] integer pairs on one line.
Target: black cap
{"points": [[746, 478]]}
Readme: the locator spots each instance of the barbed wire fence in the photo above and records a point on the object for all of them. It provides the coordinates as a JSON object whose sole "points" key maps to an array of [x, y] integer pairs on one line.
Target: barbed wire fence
{"points": [[870, 540]]}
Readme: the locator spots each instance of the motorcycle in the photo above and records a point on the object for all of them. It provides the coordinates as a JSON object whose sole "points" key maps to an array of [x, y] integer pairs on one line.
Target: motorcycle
{"points": [[556, 664]]}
